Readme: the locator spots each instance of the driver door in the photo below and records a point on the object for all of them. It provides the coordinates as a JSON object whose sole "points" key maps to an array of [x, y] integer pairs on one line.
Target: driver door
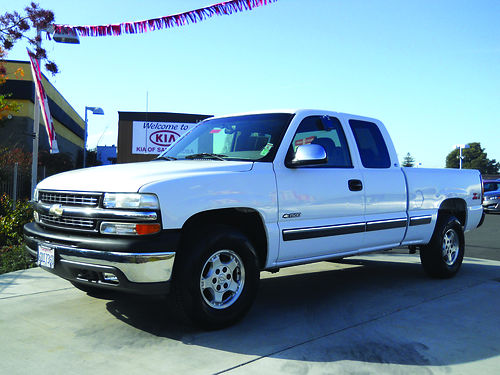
{"points": [[321, 207]]}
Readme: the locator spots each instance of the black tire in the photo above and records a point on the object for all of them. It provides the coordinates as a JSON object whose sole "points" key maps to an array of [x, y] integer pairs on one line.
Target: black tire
{"points": [[443, 255], [216, 277]]}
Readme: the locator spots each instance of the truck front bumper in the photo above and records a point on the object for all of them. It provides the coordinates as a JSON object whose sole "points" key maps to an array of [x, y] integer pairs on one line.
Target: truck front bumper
{"points": [[131, 271]]}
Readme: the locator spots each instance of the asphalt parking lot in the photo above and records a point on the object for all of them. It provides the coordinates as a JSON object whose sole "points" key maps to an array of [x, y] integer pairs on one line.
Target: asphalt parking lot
{"points": [[373, 314], [484, 242]]}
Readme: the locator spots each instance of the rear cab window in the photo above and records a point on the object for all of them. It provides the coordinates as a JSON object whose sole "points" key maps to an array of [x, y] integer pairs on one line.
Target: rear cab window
{"points": [[371, 144]]}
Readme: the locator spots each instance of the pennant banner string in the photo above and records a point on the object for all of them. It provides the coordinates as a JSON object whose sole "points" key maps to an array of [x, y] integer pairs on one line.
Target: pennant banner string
{"points": [[175, 20]]}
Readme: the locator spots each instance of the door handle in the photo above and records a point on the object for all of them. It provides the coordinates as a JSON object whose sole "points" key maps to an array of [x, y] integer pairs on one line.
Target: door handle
{"points": [[355, 185]]}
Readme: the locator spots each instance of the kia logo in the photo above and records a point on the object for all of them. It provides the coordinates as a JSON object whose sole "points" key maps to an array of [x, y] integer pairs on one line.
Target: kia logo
{"points": [[163, 137]]}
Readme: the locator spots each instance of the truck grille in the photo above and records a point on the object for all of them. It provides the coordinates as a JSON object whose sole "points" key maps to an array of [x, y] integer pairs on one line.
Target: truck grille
{"points": [[70, 199], [68, 222], [73, 199]]}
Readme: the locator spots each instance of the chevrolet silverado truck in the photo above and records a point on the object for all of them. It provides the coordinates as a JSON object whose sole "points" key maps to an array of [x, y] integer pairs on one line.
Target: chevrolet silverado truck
{"points": [[241, 194]]}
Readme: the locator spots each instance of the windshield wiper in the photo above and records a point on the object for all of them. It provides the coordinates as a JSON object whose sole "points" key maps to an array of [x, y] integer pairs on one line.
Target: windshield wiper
{"points": [[165, 158], [206, 155]]}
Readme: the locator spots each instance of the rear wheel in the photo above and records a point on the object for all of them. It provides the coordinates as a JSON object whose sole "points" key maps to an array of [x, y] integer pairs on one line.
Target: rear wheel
{"points": [[443, 256], [216, 277]]}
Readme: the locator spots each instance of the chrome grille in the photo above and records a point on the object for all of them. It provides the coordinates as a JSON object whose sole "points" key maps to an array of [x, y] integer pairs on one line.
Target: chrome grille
{"points": [[70, 199], [69, 222]]}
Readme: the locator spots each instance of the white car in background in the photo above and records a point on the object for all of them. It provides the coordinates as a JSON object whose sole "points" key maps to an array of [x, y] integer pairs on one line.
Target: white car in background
{"points": [[491, 199]]}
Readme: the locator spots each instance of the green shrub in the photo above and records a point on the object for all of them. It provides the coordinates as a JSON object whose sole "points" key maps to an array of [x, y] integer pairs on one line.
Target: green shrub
{"points": [[12, 254], [13, 258]]}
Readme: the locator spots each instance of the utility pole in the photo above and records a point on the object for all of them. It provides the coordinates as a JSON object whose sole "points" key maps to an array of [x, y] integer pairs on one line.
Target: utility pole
{"points": [[36, 129]]}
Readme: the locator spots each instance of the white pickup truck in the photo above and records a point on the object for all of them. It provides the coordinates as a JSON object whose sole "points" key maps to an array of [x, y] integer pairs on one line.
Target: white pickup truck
{"points": [[246, 193]]}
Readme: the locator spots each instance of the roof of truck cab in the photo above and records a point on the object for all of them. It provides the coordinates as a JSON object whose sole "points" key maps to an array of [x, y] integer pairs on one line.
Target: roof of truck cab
{"points": [[294, 111]]}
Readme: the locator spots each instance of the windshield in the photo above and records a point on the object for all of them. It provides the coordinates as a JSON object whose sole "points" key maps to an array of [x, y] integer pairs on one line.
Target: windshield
{"points": [[248, 138]]}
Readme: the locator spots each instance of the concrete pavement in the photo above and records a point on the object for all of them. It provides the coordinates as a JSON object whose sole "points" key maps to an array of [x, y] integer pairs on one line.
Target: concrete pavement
{"points": [[373, 314]]}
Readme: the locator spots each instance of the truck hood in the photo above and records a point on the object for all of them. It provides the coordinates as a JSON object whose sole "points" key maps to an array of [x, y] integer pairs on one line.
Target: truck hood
{"points": [[132, 176]]}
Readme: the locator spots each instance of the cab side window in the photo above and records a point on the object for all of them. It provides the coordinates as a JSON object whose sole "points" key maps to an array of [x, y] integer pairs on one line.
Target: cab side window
{"points": [[371, 145], [327, 132]]}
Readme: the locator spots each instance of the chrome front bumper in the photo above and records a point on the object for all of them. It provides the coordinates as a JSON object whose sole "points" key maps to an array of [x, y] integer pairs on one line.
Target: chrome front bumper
{"points": [[137, 268]]}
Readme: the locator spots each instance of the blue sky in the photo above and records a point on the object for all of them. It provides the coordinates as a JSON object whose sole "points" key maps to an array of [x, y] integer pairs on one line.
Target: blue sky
{"points": [[430, 70]]}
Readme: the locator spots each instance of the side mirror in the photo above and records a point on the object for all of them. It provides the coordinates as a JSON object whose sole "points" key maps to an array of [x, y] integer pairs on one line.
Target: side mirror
{"points": [[310, 154]]}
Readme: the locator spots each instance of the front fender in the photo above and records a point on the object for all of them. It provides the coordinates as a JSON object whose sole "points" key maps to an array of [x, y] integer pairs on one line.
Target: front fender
{"points": [[185, 195]]}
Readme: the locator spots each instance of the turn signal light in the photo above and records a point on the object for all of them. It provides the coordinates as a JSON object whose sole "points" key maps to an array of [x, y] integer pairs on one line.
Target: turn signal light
{"points": [[147, 228], [129, 229]]}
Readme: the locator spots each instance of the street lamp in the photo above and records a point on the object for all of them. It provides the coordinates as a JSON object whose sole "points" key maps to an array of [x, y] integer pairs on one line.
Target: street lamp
{"points": [[95, 111], [65, 34], [460, 148]]}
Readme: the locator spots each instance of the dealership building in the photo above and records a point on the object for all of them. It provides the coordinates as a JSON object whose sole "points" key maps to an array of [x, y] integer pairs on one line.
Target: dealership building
{"points": [[16, 130]]}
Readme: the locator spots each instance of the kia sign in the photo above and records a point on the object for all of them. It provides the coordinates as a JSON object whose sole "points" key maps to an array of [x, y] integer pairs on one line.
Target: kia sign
{"points": [[156, 137]]}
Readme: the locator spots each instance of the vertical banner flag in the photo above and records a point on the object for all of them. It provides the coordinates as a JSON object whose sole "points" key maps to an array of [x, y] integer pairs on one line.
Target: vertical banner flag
{"points": [[44, 104]]}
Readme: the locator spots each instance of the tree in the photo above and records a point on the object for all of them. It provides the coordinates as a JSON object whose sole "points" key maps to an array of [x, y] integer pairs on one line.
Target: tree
{"points": [[15, 26], [473, 157], [8, 157], [8, 106], [54, 163], [408, 161], [91, 161]]}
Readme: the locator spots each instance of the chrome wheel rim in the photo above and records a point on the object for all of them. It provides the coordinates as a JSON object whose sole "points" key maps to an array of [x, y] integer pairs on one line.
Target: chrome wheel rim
{"points": [[451, 247], [222, 279]]}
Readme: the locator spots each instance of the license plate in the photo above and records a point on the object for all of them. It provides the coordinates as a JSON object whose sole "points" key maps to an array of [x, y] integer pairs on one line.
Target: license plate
{"points": [[46, 256]]}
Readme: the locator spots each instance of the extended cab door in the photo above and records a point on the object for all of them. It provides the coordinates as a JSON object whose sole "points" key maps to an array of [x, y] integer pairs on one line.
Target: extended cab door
{"points": [[384, 185], [320, 207]]}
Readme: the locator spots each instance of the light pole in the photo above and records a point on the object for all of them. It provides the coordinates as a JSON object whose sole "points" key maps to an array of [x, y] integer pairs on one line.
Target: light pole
{"points": [[460, 148], [95, 111], [36, 128], [60, 37]]}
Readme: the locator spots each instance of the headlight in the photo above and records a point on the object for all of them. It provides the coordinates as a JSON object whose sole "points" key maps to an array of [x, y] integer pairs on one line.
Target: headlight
{"points": [[35, 195], [131, 200]]}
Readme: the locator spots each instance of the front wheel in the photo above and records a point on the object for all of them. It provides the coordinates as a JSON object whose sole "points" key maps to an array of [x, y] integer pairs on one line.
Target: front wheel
{"points": [[216, 278], [443, 256]]}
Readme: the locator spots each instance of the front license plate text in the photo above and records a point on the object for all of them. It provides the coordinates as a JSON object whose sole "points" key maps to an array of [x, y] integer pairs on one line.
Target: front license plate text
{"points": [[46, 256]]}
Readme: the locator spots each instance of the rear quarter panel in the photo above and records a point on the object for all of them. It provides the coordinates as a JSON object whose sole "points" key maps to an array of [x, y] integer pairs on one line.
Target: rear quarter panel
{"points": [[429, 188]]}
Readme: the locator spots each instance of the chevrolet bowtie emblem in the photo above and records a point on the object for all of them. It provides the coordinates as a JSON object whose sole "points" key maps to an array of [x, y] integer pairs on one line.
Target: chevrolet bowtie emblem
{"points": [[56, 209]]}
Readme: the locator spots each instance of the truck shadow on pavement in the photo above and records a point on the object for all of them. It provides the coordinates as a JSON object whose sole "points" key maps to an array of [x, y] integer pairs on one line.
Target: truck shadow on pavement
{"points": [[360, 310]]}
